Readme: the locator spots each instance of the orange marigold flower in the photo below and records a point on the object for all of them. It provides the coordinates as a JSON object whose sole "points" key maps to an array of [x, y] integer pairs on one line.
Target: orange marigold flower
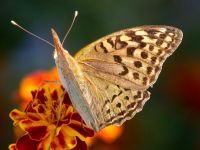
{"points": [[41, 129]]}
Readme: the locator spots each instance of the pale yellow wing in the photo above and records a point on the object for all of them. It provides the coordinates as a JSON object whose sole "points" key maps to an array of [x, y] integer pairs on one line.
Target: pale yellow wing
{"points": [[132, 57], [120, 67], [114, 104]]}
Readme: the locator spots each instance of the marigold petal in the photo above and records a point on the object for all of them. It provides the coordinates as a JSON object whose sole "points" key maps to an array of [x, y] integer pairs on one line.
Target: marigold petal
{"points": [[40, 108], [63, 141], [67, 113], [46, 143], [76, 117], [18, 131], [81, 145], [66, 99], [76, 129], [12, 147], [37, 129], [25, 143], [17, 115], [38, 132]]}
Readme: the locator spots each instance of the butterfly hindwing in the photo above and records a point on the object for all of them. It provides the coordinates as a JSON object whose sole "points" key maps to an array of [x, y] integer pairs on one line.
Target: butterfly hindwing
{"points": [[114, 104]]}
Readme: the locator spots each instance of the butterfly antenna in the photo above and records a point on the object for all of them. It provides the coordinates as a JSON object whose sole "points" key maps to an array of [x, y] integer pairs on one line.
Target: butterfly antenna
{"points": [[75, 15], [25, 30]]}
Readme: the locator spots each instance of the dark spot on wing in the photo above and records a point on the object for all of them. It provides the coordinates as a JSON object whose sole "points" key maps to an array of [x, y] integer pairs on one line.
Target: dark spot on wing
{"points": [[131, 105], [138, 64], [153, 60], [145, 80], [113, 98], [135, 75], [130, 51], [108, 111], [118, 105], [142, 45], [120, 93], [149, 70], [117, 58], [157, 69], [124, 72], [159, 51], [103, 47], [151, 47], [151, 33], [137, 38], [130, 33], [162, 36], [144, 55], [110, 41], [126, 98], [159, 42], [121, 43]]}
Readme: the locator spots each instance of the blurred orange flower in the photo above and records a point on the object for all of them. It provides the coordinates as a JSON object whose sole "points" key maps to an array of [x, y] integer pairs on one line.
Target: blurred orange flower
{"points": [[32, 81], [46, 125], [109, 135]]}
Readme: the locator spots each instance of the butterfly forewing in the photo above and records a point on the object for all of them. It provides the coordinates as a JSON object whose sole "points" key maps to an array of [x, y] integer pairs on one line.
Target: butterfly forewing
{"points": [[133, 55], [121, 66]]}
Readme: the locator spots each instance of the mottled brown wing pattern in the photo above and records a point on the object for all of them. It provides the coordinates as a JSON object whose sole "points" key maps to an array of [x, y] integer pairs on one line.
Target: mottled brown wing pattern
{"points": [[134, 55], [121, 66], [114, 104]]}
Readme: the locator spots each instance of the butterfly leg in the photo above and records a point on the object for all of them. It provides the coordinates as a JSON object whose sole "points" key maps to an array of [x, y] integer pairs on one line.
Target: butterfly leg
{"points": [[60, 108], [39, 87], [59, 112]]}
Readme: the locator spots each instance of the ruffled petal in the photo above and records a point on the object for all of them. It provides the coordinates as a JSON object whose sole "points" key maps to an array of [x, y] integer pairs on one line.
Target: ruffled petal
{"points": [[37, 130], [46, 143], [63, 141], [81, 145], [18, 116], [66, 114], [77, 129], [25, 143]]}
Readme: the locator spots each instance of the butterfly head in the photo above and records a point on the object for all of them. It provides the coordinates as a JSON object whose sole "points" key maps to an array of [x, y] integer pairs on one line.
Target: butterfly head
{"points": [[59, 50]]}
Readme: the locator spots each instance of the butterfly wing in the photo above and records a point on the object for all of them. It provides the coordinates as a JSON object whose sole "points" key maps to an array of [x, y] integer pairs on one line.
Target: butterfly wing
{"points": [[128, 62], [133, 57], [114, 104]]}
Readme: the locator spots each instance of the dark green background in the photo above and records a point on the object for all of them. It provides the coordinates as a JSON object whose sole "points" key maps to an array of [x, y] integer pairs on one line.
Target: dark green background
{"points": [[170, 120]]}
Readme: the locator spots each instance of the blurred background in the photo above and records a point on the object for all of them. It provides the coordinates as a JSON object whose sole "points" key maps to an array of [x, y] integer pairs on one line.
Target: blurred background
{"points": [[170, 120]]}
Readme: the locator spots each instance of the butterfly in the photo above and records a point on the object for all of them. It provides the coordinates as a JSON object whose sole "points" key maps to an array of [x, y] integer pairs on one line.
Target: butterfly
{"points": [[108, 80]]}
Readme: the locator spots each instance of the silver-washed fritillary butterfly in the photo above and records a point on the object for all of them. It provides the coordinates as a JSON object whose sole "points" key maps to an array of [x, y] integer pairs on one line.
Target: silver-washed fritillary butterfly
{"points": [[107, 80]]}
